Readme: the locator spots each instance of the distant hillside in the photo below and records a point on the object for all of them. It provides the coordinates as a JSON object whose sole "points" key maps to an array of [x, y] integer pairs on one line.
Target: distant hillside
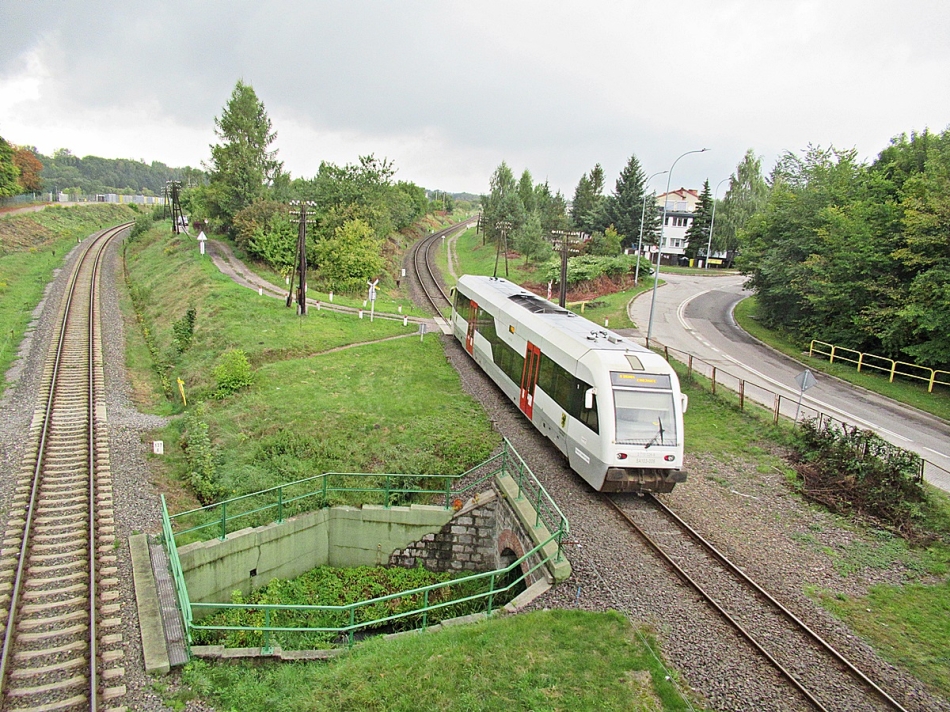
{"points": [[65, 172]]}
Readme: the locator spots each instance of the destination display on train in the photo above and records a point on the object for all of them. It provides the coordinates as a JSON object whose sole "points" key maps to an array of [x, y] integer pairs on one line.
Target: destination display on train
{"points": [[640, 380]]}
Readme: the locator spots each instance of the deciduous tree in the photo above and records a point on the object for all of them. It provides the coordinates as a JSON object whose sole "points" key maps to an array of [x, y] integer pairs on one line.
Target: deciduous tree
{"points": [[30, 168], [9, 173]]}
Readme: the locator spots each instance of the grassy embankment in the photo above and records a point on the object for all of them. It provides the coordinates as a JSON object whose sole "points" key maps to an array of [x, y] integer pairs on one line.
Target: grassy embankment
{"points": [[909, 625], [294, 360], [390, 405], [32, 246]]}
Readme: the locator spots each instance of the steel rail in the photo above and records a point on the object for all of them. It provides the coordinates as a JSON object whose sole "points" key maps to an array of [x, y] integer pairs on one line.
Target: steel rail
{"points": [[95, 247], [422, 264], [732, 568]]}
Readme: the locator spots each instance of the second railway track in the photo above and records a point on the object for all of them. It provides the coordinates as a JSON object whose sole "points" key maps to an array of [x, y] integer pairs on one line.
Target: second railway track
{"points": [[57, 565], [821, 676]]}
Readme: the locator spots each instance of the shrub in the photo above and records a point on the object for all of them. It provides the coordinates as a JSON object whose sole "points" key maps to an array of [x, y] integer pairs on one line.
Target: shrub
{"points": [[232, 373], [854, 471], [202, 458], [143, 223], [184, 329]]}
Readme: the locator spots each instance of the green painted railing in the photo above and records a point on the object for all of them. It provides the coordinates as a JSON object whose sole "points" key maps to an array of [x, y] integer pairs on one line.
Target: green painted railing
{"points": [[277, 503], [496, 584]]}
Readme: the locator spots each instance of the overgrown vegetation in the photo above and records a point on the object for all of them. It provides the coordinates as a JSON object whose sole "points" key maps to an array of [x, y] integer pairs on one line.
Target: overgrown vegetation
{"points": [[296, 406], [855, 472], [327, 586]]}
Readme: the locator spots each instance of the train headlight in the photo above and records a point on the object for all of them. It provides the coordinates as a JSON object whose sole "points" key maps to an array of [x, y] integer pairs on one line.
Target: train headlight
{"points": [[669, 458]]}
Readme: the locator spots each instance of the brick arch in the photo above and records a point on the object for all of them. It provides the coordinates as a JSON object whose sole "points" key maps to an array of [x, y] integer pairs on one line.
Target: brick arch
{"points": [[508, 540]]}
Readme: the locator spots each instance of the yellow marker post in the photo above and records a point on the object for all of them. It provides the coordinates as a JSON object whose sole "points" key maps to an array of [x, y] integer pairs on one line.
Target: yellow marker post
{"points": [[181, 389]]}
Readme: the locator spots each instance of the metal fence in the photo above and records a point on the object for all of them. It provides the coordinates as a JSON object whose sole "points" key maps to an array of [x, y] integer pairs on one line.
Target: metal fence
{"points": [[774, 404], [482, 590], [881, 363]]}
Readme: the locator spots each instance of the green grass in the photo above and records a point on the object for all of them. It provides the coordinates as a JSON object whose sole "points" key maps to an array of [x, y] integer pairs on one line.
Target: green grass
{"points": [[473, 257], [328, 394], [551, 660], [912, 393], [909, 626], [32, 246]]}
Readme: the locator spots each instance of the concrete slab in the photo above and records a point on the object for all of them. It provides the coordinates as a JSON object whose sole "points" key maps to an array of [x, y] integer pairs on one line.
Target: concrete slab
{"points": [[149, 611]]}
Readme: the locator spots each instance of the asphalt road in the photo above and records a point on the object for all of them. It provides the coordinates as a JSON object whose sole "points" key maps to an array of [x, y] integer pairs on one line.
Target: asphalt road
{"points": [[694, 314]]}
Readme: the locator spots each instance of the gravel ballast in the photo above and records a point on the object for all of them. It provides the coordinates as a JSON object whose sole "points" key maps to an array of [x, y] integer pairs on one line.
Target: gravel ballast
{"points": [[752, 516]]}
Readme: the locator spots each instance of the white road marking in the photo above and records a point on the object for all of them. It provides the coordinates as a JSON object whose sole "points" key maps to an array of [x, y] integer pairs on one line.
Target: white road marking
{"points": [[936, 452]]}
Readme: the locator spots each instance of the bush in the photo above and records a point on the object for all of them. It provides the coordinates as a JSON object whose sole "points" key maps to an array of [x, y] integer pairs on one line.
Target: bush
{"points": [[587, 268], [143, 223], [202, 457], [232, 373], [854, 471], [184, 329]]}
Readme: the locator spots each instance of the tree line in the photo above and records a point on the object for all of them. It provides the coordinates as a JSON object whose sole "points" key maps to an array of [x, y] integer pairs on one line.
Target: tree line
{"points": [[852, 253], [355, 208], [858, 254], [23, 169]]}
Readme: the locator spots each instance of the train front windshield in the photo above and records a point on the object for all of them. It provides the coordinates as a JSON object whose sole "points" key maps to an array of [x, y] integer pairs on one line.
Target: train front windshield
{"points": [[645, 418]]}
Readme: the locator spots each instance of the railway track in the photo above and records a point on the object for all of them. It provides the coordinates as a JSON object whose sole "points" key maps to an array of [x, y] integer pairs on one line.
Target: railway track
{"points": [[424, 272], [61, 646], [818, 673]]}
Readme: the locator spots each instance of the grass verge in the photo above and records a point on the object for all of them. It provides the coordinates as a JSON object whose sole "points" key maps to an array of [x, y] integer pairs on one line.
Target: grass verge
{"points": [[551, 660], [32, 246]]}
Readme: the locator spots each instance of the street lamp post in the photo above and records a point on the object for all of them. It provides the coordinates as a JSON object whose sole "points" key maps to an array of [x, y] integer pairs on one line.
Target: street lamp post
{"points": [[659, 253], [643, 212], [712, 223]]}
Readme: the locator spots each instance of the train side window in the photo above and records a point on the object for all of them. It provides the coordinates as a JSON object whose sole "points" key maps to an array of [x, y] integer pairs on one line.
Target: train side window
{"points": [[588, 416]]}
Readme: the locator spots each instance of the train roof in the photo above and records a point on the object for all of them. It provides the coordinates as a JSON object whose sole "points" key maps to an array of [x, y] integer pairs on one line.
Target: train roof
{"points": [[576, 334]]}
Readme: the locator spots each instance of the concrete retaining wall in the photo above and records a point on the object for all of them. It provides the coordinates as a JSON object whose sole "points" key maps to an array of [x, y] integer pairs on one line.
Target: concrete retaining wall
{"points": [[339, 536]]}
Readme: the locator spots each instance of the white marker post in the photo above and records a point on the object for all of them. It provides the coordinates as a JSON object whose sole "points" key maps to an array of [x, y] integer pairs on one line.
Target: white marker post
{"points": [[201, 242], [372, 297]]}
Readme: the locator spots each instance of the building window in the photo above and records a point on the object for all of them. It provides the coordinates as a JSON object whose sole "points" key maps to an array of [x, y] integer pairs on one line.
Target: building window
{"points": [[680, 222]]}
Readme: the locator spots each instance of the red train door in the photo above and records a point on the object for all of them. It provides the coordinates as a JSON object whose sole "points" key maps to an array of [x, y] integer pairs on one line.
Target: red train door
{"points": [[472, 322], [529, 377]]}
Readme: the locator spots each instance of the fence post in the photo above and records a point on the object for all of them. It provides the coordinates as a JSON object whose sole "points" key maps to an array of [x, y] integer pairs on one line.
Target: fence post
{"points": [[491, 592], [714, 380], [268, 647], [832, 358], [689, 367], [425, 609], [811, 348], [280, 504], [224, 521], [860, 360], [666, 353], [893, 369], [741, 395], [933, 376], [775, 408]]}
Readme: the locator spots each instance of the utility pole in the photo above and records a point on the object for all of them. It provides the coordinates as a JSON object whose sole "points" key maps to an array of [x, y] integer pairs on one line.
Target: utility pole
{"points": [[504, 226], [173, 191], [568, 243], [299, 211]]}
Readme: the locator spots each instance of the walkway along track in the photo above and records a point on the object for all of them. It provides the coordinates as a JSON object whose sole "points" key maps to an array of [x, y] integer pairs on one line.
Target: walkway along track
{"points": [[819, 673], [57, 564], [425, 274]]}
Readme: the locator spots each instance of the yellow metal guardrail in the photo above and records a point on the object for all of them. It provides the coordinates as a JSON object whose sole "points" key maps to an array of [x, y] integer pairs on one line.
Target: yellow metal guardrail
{"points": [[881, 363]]}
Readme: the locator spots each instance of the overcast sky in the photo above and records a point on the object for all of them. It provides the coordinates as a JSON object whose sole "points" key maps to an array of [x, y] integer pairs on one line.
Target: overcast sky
{"points": [[448, 90]]}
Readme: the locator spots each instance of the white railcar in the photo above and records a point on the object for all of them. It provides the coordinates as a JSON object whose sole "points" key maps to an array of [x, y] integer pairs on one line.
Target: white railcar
{"points": [[613, 407]]}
